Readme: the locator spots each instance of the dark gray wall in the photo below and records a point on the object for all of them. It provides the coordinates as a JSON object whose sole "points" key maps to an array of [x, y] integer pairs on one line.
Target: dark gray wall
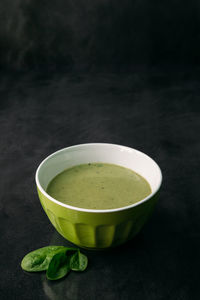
{"points": [[98, 33]]}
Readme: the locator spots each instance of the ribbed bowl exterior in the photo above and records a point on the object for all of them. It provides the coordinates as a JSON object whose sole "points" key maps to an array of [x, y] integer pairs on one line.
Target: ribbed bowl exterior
{"points": [[97, 230]]}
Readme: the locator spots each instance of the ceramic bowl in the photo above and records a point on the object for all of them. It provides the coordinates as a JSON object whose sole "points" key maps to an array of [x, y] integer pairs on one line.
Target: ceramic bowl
{"points": [[91, 228]]}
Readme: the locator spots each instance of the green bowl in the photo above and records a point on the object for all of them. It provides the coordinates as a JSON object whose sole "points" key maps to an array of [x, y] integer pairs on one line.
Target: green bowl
{"points": [[90, 228]]}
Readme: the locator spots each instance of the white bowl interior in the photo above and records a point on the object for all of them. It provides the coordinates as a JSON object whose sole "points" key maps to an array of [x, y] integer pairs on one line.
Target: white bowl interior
{"points": [[106, 153]]}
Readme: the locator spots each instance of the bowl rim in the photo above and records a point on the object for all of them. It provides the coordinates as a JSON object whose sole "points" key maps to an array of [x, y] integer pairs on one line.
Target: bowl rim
{"points": [[96, 210]]}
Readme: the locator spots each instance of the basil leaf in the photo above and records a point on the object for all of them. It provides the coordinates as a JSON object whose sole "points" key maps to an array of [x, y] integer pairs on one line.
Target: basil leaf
{"points": [[59, 266], [38, 260], [78, 262]]}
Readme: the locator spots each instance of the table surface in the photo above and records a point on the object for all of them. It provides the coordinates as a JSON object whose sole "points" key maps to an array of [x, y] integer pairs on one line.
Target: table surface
{"points": [[157, 112]]}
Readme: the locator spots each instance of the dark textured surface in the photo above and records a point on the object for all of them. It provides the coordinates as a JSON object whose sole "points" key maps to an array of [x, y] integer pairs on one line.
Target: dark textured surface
{"points": [[88, 34], [155, 112]]}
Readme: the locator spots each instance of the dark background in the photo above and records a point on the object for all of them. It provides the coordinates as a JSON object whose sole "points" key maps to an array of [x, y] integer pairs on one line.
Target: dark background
{"points": [[103, 34], [124, 72]]}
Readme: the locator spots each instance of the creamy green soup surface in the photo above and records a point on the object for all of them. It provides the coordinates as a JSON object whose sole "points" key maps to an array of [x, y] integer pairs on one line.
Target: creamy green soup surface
{"points": [[98, 186]]}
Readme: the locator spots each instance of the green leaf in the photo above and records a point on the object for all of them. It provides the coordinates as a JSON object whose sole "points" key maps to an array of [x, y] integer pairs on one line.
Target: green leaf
{"points": [[57, 260], [78, 262], [74, 262], [59, 266], [38, 260], [83, 262]]}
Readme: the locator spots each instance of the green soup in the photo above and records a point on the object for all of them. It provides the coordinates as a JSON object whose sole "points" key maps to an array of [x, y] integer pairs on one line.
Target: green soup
{"points": [[98, 186]]}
